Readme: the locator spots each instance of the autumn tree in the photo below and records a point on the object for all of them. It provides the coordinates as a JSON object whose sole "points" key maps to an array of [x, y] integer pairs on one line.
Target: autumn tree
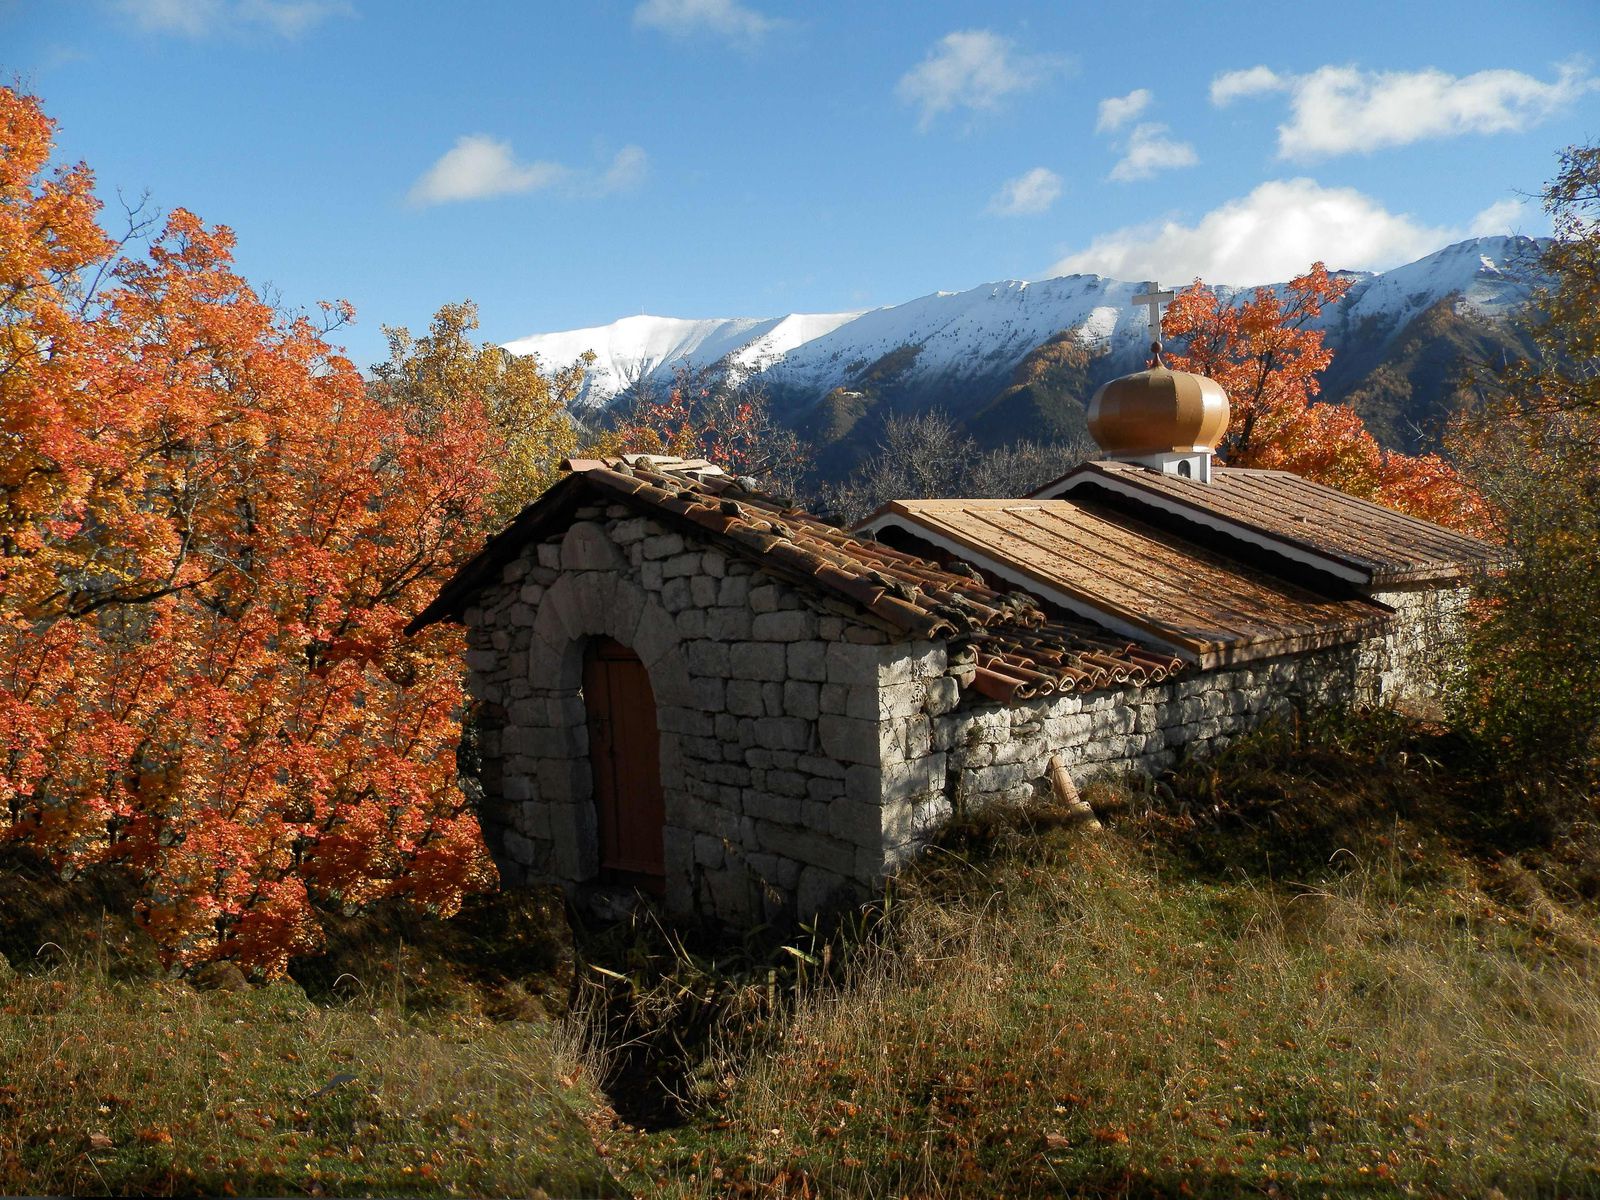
{"points": [[706, 413], [211, 537], [1268, 353], [1531, 680], [925, 455], [442, 378]]}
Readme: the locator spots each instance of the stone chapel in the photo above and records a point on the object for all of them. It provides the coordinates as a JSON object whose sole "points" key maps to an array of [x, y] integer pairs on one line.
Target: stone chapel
{"points": [[687, 688]]}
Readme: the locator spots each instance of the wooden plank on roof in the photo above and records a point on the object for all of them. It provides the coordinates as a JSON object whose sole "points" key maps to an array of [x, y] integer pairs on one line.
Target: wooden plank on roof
{"points": [[1387, 545], [1144, 577]]}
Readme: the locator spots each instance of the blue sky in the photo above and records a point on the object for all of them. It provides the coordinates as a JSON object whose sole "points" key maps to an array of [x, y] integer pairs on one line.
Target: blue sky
{"points": [[568, 164]]}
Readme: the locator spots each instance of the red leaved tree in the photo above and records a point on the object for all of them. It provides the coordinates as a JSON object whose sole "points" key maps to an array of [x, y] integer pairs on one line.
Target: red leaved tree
{"points": [[1267, 354], [211, 536], [705, 415]]}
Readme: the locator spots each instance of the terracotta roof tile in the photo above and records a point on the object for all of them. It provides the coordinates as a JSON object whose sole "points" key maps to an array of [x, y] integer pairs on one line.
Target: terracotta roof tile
{"points": [[1020, 652]]}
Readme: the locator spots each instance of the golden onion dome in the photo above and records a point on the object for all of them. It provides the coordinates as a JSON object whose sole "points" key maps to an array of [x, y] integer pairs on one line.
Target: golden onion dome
{"points": [[1158, 411]]}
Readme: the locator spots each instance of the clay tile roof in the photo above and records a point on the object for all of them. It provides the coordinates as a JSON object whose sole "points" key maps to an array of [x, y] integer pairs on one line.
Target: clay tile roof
{"points": [[1376, 544], [1134, 576], [1019, 651]]}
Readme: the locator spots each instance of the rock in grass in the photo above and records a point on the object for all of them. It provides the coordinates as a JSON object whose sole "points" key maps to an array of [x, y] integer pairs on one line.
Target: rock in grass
{"points": [[221, 976]]}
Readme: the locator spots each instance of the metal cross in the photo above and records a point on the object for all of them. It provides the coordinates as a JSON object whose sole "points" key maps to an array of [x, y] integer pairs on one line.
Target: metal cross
{"points": [[1153, 298]]}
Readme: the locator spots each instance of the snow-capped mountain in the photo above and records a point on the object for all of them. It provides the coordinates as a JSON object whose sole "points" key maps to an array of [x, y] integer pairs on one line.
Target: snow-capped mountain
{"points": [[978, 336]]}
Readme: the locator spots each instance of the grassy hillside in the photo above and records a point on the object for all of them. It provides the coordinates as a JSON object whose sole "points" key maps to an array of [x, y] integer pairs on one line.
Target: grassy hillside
{"points": [[1325, 965], [1341, 960]]}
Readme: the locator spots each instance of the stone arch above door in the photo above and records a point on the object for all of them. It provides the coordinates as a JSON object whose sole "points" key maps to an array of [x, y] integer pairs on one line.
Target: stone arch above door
{"points": [[577, 608]]}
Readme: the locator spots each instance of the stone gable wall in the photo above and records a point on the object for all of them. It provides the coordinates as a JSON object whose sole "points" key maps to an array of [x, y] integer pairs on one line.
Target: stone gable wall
{"points": [[767, 701]]}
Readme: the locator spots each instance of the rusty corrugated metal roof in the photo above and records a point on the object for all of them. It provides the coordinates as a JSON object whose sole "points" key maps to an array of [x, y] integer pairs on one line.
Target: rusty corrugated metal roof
{"points": [[1020, 652], [1135, 576], [1379, 544]]}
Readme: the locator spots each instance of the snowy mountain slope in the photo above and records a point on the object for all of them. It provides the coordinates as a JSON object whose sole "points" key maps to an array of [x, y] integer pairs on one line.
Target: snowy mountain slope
{"points": [[983, 333], [1490, 277]]}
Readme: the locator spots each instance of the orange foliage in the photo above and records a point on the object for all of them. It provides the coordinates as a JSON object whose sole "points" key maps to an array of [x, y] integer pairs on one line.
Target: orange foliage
{"points": [[211, 536], [1267, 356], [700, 417]]}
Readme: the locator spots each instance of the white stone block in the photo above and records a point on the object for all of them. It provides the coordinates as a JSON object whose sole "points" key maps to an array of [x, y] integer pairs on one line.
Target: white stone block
{"points": [[586, 547], [853, 664], [820, 891], [941, 695], [807, 660], [784, 733], [801, 699], [744, 698], [662, 545]]}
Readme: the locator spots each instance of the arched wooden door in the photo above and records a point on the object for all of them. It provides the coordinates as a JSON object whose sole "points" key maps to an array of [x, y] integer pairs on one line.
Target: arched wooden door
{"points": [[625, 755]]}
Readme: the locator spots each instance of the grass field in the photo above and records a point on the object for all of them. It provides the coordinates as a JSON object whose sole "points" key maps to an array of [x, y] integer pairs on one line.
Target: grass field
{"points": [[1324, 965]]}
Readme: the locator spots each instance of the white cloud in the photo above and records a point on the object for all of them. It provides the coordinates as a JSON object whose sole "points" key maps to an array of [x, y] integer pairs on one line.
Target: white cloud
{"points": [[626, 172], [1150, 151], [201, 18], [684, 18], [479, 166], [193, 18], [1231, 85], [1344, 110], [1274, 233], [1117, 111], [1029, 193], [1503, 216], [972, 68]]}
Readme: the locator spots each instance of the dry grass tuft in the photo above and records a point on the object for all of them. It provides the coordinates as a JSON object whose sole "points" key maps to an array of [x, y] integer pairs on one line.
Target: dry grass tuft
{"points": [[1089, 1024]]}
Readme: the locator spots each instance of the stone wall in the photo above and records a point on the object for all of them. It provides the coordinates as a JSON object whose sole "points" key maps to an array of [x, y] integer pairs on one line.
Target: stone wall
{"points": [[1407, 669], [767, 701], [942, 758]]}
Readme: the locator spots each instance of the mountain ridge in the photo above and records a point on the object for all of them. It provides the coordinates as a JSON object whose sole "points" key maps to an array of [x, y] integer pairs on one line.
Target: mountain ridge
{"points": [[1000, 320], [1400, 340]]}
